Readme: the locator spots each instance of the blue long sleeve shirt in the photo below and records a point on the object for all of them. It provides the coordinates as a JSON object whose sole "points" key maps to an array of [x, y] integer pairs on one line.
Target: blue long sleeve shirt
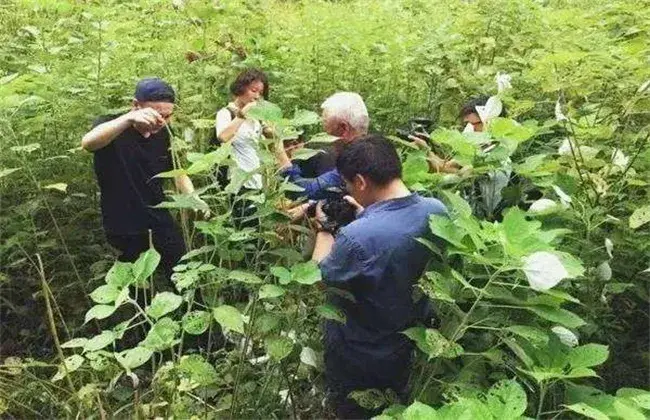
{"points": [[314, 188]]}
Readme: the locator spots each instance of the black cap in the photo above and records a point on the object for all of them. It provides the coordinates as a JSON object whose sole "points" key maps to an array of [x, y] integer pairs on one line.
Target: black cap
{"points": [[154, 90]]}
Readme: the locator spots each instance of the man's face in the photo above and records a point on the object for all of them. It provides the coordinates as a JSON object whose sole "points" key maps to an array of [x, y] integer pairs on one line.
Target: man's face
{"points": [[252, 92], [359, 189], [165, 109], [336, 127], [475, 120]]}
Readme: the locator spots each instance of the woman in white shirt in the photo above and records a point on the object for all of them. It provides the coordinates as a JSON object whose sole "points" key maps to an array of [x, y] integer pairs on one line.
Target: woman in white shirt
{"points": [[243, 133]]}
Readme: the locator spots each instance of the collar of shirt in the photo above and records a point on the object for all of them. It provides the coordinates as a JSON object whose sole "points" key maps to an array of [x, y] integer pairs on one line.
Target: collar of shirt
{"points": [[392, 204]]}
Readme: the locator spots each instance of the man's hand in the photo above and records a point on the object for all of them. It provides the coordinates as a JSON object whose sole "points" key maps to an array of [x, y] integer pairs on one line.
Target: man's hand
{"points": [[419, 142], [146, 121], [298, 212], [358, 208]]}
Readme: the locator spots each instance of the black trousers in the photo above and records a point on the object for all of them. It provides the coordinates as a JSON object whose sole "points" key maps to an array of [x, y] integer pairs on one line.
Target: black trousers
{"points": [[345, 373], [167, 240]]}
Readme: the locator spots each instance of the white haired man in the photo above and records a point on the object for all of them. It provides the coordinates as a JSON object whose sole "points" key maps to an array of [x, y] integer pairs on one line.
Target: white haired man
{"points": [[345, 116]]}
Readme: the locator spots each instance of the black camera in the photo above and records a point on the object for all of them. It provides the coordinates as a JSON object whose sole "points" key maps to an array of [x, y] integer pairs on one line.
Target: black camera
{"points": [[418, 127], [338, 211]]}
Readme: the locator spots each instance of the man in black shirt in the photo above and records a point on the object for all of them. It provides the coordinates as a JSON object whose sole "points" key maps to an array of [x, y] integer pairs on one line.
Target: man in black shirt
{"points": [[130, 149]]}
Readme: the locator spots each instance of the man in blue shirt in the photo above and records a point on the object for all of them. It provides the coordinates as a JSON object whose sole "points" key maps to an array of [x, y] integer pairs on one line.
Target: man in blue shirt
{"points": [[377, 259], [344, 116]]}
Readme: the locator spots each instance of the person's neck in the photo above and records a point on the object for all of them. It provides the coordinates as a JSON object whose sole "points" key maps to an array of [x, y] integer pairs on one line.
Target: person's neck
{"points": [[395, 189], [238, 103], [346, 139]]}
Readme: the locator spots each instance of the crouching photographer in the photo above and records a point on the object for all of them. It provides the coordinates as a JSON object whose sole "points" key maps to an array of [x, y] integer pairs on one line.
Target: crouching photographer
{"points": [[377, 260]]}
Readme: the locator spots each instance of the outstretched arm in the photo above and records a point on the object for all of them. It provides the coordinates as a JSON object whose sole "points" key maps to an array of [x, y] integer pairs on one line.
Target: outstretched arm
{"points": [[145, 120]]}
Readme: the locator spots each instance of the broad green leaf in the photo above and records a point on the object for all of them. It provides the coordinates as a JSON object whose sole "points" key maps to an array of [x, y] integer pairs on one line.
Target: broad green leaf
{"points": [[419, 411], [71, 364], [163, 303], [566, 336], [640, 397], [100, 341], [532, 334], [120, 274], [265, 111], [305, 153], [588, 355], [506, 400], [303, 117], [162, 335], [588, 411], [74, 343], [505, 128], [626, 410], [210, 160], [196, 322], [433, 343], [270, 291], [445, 228], [105, 294], [229, 318], [197, 370], [331, 312], [133, 358], [59, 186], [306, 273], [122, 297], [278, 347], [640, 217], [99, 312], [244, 277], [283, 275], [521, 236], [557, 315], [145, 265]]}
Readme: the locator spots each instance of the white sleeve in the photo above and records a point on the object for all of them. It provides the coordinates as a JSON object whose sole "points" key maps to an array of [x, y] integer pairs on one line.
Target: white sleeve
{"points": [[222, 121]]}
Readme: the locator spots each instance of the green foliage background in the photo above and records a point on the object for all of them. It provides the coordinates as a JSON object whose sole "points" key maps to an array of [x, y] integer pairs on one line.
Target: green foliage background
{"points": [[62, 63]]}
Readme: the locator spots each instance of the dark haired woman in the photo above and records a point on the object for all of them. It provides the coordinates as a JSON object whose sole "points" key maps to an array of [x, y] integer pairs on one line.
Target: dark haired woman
{"points": [[233, 126], [243, 133]]}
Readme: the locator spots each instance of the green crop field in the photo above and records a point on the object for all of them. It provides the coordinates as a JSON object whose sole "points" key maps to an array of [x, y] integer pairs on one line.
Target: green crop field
{"points": [[542, 313]]}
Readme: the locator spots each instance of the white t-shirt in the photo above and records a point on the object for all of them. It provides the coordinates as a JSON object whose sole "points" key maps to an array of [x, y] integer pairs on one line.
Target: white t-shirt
{"points": [[244, 145]]}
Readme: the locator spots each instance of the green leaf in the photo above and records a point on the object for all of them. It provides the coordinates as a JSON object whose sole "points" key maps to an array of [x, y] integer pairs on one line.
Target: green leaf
{"points": [[163, 303], [309, 357], [640, 397], [105, 294], [305, 153], [59, 186], [445, 228], [587, 411], [433, 343], [184, 201], [303, 117], [28, 148], [120, 274], [100, 341], [588, 355], [331, 312], [283, 275], [8, 171], [133, 358], [196, 322], [197, 370], [210, 160], [370, 399], [640, 217], [146, 265], [270, 291], [74, 343], [162, 335], [71, 364], [306, 273], [265, 111], [419, 411], [244, 277], [558, 315], [278, 347], [229, 318], [534, 335], [99, 312], [506, 400]]}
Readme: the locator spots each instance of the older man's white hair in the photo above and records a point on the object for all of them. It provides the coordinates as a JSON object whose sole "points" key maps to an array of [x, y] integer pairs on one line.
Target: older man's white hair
{"points": [[349, 107]]}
